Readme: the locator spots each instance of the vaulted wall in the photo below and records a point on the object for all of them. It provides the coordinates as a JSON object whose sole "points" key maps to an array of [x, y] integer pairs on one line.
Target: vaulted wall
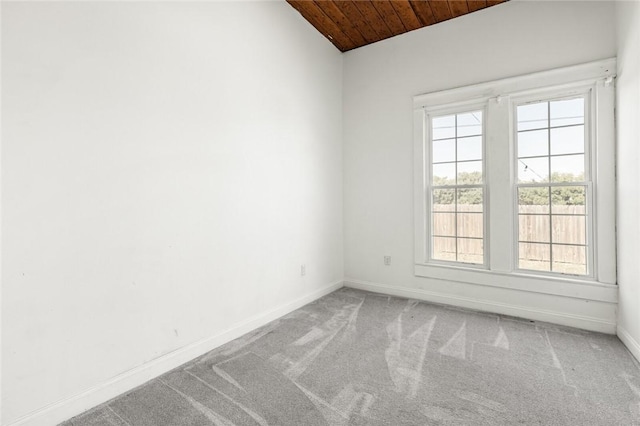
{"points": [[380, 80], [166, 170]]}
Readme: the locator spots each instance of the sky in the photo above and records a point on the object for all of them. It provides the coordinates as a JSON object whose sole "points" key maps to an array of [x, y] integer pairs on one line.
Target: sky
{"points": [[555, 127]]}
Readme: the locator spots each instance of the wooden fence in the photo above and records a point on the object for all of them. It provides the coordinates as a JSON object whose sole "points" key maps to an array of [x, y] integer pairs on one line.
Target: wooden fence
{"points": [[567, 225]]}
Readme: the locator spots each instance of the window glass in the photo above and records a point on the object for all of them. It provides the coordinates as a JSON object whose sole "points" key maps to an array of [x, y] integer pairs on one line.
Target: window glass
{"points": [[457, 212], [552, 217]]}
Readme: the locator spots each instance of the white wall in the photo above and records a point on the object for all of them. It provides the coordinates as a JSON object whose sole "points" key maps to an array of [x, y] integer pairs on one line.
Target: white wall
{"points": [[166, 169], [628, 159], [510, 39]]}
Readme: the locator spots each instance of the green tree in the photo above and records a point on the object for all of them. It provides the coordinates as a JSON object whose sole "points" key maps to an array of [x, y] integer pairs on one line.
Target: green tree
{"points": [[465, 196], [560, 195]]}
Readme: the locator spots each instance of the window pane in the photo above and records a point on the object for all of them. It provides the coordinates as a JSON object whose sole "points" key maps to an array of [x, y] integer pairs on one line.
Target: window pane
{"points": [[551, 148], [567, 140], [444, 127], [569, 259], [470, 200], [470, 225], [470, 251], [444, 150], [569, 229], [534, 256], [534, 228], [444, 200], [567, 112], [533, 143], [567, 168], [470, 124], [533, 169], [569, 200], [533, 200], [444, 224], [469, 172], [444, 248], [533, 116], [444, 174], [457, 154], [470, 148]]}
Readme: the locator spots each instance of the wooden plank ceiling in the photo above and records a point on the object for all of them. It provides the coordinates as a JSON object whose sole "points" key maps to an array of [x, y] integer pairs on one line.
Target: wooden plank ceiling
{"points": [[351, 24]]}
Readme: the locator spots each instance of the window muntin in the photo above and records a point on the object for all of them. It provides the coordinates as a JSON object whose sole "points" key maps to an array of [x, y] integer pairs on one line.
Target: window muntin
{"points": [[457, 187], [553, 186], [498, 99]]}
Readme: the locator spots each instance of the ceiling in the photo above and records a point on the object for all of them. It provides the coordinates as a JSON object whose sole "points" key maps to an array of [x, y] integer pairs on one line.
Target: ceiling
{"points": [[351, 24]]}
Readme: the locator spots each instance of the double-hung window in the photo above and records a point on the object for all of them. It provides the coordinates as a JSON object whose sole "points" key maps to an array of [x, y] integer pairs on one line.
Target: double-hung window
{"points": [[553, 185], [457, 187], [515, 178]]}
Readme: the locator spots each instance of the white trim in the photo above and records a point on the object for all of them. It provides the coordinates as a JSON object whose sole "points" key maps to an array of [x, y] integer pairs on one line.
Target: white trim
{"points": [[419, 185], [70, 407], [603, 165], [499, 177], [632, 344], [587, 93], [592, 80], [601, 325], [552, 285], [495, 89], [429, 115]]}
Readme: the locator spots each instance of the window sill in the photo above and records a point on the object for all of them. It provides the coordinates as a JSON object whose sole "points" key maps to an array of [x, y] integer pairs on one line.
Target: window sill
{"points": [[571, 287]]}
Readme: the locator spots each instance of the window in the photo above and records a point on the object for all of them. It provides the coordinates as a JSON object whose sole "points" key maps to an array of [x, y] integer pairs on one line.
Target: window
{"points": [[514, 181], [456, 187], [553, 182]]}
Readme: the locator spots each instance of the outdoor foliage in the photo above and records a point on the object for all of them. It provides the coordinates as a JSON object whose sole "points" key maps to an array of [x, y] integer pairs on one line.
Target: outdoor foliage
{"points": [[564, 195], [560, 195]]}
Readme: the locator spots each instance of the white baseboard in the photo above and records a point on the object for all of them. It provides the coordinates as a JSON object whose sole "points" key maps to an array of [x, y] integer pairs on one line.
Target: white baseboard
{"points": [[572, 320], [632, 344], [70, 407]]}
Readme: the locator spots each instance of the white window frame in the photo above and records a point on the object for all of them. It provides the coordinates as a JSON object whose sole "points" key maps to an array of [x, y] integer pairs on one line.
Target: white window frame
{"points": [[449, 110], [500, 239], [586, 91]]}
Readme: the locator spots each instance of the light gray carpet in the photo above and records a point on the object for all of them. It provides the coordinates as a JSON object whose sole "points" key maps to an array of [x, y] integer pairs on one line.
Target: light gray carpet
{"points": [[358, 358]]}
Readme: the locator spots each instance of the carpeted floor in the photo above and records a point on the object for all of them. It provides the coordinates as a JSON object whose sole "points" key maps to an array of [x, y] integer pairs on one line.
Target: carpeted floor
{"points": [[358, 358]]}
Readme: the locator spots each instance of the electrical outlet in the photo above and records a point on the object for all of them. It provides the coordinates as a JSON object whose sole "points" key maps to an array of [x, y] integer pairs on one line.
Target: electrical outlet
{"points": [[387, 260], [303, 270]]}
